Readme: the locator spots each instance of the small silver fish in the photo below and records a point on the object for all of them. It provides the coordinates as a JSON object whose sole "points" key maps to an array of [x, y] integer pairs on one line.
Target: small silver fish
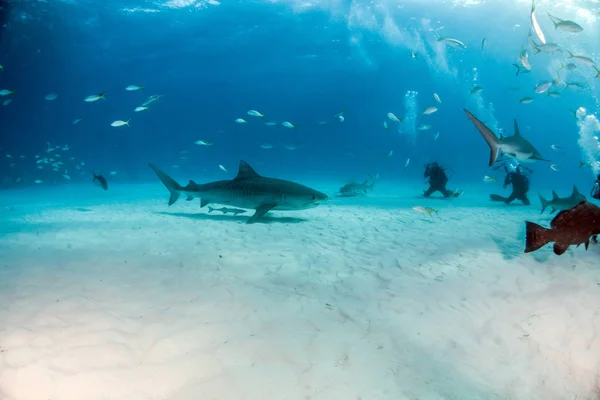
{"points": [[542, 87], [393, 117], [526, 100], [565, 25], [457, 44], [429, 110], [119, 122], [255, 113], [95, 97], [582, 59]]}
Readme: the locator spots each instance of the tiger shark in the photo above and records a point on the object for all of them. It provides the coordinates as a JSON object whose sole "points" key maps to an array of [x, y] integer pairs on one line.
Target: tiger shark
{"points": [[515, 146], [247, 190]]}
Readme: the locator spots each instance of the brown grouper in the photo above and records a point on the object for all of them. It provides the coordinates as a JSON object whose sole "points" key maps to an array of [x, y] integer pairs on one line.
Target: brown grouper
{"points": [[575, 226]]}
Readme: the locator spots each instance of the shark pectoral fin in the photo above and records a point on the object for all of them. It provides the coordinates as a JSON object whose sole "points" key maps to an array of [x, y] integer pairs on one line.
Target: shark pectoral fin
{"points": [[587, 244], [204, 202], [189, 198], [538, 158], [260, 212]]}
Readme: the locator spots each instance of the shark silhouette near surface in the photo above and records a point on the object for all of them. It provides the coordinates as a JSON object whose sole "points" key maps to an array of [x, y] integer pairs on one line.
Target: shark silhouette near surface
{"points": [[515, 146], [247, 190], [562, 203]]}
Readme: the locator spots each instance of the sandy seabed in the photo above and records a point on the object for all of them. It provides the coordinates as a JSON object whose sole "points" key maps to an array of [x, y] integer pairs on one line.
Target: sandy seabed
{"points": [[115, 296]]}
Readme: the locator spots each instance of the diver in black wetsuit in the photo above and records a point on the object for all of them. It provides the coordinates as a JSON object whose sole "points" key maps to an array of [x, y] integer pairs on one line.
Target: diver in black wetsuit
{"points": [[520, 187], [595, 193], [437, 181]]}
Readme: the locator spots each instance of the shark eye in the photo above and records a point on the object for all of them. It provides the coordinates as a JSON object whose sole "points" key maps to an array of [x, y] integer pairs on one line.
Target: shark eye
{"points": [[313, 197]]}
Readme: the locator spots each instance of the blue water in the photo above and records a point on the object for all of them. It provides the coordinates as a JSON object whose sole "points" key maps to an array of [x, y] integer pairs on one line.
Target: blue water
{"points": [[294, 62], [114, 295]]}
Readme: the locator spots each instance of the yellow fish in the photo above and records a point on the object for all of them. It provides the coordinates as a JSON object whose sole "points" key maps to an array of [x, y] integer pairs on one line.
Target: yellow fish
{"points": [[425, 210]]}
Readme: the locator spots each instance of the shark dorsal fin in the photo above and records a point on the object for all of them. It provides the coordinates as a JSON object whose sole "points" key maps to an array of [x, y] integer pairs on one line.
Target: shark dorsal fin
{"points": [[246, 171], [517, 132], [554, 195], [191, 183], [576, 192]]}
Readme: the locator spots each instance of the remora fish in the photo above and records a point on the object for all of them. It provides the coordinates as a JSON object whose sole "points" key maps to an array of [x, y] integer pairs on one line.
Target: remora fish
{"points": [[562, 203], [570, 227], [225, 210], [247, 190], [355, 189], [515, 146]]}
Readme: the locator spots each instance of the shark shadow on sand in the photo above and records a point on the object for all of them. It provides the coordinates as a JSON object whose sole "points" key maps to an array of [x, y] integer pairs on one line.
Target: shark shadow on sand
{"points": [[266, 219]]}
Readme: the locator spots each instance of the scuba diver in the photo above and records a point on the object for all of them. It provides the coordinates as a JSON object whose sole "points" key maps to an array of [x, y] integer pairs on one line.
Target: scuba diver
{"points": [[595, 193], [437, 181], [520, 186]]}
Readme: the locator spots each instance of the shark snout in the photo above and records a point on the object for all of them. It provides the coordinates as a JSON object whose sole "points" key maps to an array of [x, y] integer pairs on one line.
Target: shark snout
{"points": [[317, 198]]}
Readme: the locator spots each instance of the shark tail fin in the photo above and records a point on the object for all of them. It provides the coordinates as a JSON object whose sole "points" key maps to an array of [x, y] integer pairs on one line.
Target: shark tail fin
{"points": [[170, 183], [488, 135], [545, 203], [536, 236]]}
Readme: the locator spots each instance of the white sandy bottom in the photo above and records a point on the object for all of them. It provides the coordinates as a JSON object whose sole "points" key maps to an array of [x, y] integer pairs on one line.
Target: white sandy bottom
{"points": [[129, 302]]}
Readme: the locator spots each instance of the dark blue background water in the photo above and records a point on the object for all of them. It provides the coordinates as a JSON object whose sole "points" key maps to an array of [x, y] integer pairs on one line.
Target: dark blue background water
{"points": [[213, 64]]}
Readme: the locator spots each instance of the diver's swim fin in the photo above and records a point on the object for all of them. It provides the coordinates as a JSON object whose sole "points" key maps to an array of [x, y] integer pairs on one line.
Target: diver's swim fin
{"points": [[497, 197]]}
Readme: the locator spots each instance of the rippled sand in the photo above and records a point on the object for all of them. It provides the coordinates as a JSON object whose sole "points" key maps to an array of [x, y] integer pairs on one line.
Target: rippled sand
{"points": [[115, 296]]}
